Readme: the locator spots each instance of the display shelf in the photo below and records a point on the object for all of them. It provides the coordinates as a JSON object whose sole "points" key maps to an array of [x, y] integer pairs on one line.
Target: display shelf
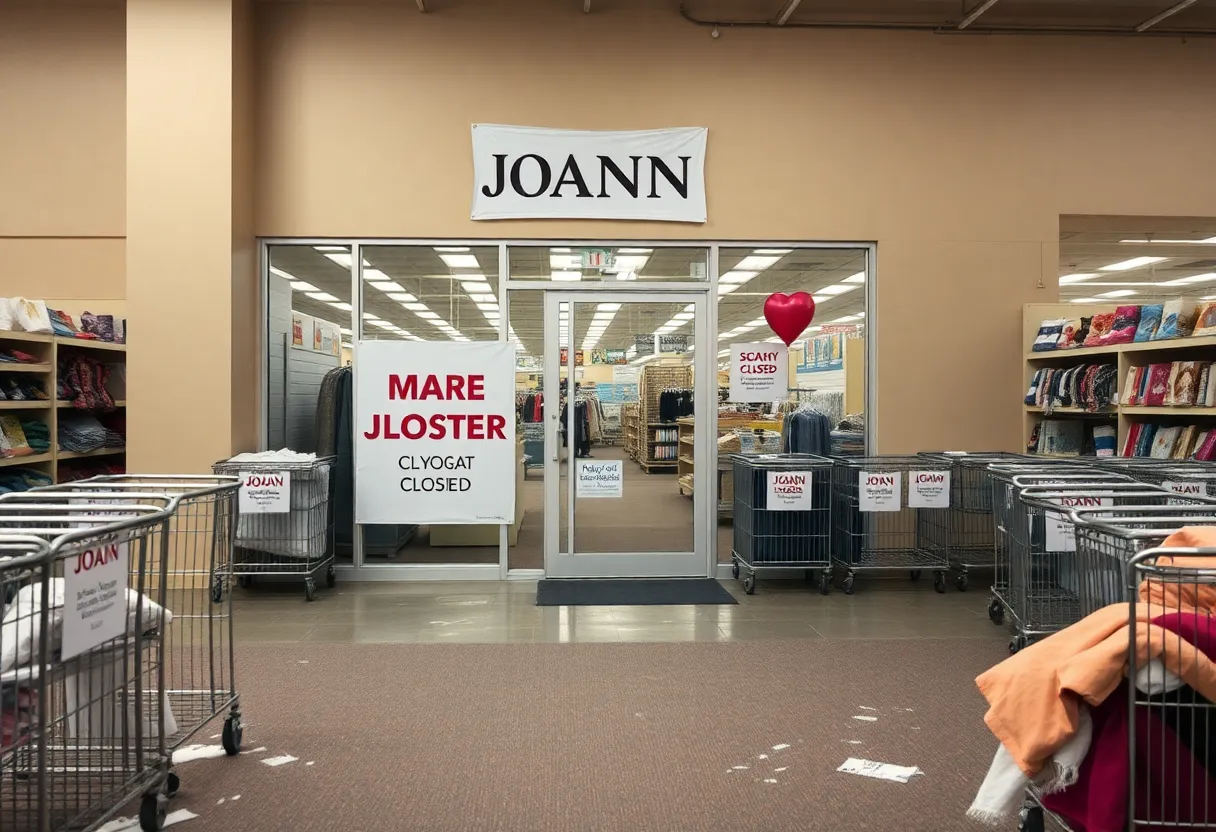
{"points": [[62, 455], [29, 459], [6, 367], [686, 428], [90, 344], [1169, 345], [1186, 412], [28, 337], [654, 378], [67, 405], [27, 405], [1076, 411]]}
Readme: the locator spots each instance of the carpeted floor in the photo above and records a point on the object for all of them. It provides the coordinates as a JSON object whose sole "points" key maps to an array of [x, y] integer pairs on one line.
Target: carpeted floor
{"points": [[629, 738]]}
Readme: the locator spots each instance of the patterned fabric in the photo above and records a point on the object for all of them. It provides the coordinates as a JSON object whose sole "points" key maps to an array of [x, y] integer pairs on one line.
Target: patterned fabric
{"points": [[100, 325], [82, 381]]}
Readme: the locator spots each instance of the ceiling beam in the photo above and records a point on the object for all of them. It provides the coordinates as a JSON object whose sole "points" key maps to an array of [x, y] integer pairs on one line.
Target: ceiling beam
{"points": [[1170, 12], [975, 13], [787, 10]]}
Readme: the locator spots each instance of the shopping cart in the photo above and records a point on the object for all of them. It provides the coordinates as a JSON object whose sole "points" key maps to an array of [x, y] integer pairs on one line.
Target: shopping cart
{"points": [[200, 661], [1160, 776], [881, 509], [80, 661], [966, 532], [288, 531], [783, 516]]}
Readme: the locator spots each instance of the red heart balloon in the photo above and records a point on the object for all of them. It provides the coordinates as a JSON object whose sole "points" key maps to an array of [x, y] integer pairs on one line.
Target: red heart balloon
{"points": [[789, 315]]}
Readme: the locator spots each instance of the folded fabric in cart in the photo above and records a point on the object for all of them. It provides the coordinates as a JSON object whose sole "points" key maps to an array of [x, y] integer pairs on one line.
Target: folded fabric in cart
{"points": [[21, 624], [283, 455]]}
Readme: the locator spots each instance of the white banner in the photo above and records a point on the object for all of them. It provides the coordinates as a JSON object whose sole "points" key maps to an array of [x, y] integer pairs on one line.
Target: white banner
{"points": [[435, 432], [538, 173], [789, 491], [758, 372]]}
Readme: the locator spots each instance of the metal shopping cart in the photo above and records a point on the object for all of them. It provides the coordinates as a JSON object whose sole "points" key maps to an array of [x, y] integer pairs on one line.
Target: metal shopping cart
{"points": [[881, 509], [1162, 772], [284, 523], [783, 516], [200, 661], [81, 661]]}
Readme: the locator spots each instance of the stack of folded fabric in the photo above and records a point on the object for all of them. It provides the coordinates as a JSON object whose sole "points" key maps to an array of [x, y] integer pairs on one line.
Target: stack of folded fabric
{"points": [[16, 357], [82, 381], [37, 434], [16, 389], [82, 470], [64, 326], [22, 479], [80, 434], [116, 430], [12, 438]]}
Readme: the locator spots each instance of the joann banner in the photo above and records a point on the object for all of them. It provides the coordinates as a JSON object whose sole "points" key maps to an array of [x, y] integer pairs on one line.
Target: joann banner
{"points": [[532, 172]]}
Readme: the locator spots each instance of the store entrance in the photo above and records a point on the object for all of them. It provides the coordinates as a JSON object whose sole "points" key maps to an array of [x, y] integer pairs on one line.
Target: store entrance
{"points": [[624, 507]]}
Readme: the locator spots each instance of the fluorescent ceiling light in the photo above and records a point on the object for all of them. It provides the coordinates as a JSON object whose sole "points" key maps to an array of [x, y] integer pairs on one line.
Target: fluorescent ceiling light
{"points": [[735, 276], [368, 316], [326, 296], [631, 263], [344, 330], [383, 324], [428, 315], [416, 307], [345, 307], [1207, 241], [451, 249], [460, 261], [344, 260], [608, 307], [772, 251], [755, 263], [860, 277], [331, 248], [374, 274], [403, 297], [567, 276], [1086, 300], [564, 261], [1118, 293], [1182, 281], [635, 251], [727, 288], [488, 305], [303, 286], [683, 316], [482, 297], [1065, 279], [282, 274], [1134, 263], [474, 286], [690, 308], [820, 298], [386, 286], [560, 250], [723, 352], [837, 289]]}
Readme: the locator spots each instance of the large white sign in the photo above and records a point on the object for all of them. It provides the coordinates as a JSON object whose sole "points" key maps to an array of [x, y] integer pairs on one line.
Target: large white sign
{"points": [[265, 493], [758, 372], [533, 172], [598, 478], [435, 432], [879, 490], [789, 491], [928, 489], [94, 597]]}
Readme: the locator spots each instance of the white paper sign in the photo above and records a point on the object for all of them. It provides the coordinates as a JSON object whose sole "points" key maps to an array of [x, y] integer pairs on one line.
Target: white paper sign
{"points": [[534, 172], [758, 372], [879, 491], [94, 597], [265, 493], [1058, 530], [1187, 488], [929, 489], [435, 432], [789, 491], [597, 478], [879, 771]]}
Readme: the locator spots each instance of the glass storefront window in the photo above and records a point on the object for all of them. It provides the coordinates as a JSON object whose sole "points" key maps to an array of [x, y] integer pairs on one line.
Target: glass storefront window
{"points": [[573, 265]]}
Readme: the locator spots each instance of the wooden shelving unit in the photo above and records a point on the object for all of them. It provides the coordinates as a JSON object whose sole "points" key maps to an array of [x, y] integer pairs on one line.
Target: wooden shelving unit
{"points": [[1124, 356], [631, 432], [48, 349], [656, 377], [684, 470]]}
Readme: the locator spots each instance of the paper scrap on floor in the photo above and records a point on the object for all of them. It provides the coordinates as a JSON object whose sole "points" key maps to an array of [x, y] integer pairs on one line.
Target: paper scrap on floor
{"points": [[879, 771], [274, 762]]}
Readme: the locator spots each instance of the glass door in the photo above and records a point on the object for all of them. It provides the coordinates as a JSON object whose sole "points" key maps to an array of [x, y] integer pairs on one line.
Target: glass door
{"points": [[628, 442]]}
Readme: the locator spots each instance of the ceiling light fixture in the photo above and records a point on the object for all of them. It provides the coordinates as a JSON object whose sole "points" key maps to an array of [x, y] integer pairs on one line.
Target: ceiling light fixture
{"points": [[1207, 241], [756, 263], [860, 277], [736, 276], [1195, 278], [837, 289], [1134, 263], [403, 297], [1066, 279], [777, 251], [387, 286], [331, 248], [460, 261], [345, 307], [1118, 293], [325, 296], [303, 286], [566, 276]]}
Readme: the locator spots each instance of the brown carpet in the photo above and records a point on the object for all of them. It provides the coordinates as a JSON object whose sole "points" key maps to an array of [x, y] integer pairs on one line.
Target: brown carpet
{"points": [[600, 737]]}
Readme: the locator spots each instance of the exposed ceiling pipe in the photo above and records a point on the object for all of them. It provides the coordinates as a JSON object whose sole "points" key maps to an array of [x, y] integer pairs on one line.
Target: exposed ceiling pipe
{"points": [[1170, 12], [975, 13], [788, 9], [951, 28]]}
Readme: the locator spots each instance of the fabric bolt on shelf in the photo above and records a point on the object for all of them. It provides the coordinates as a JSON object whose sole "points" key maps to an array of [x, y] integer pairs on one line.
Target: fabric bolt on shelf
{"points": [[593, 592]]}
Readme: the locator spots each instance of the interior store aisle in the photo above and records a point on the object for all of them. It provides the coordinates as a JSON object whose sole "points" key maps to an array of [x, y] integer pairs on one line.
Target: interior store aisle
{"points": [[626, 737]]}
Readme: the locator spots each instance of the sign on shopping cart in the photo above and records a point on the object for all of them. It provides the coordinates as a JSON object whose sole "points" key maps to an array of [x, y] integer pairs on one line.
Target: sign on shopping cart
{"points": [[1186, 488], [879, 490], [94, 597], [1058, 530], [789, 491], [265, 492], [928, 489]]}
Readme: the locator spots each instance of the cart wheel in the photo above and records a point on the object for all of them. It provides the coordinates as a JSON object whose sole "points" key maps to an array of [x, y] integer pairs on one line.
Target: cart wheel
{"points": [[172, 784], [234, 732], [310, 589], [749, 583], [217, 589], [914, 574], [331, 578], [996, 612], [1017, 643], [734, 569], [961, 582], [847, 585], [152, 812], [939, 581], [1030, 819], [825, 583], [244, 581]]}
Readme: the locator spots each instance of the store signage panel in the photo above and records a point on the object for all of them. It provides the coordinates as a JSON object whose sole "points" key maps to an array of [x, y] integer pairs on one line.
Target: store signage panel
{"points": [[789, 491], [879, 490], [435, 445], [265, 493], [758, 372], [538, 173], [928, 489], [94, 597]]}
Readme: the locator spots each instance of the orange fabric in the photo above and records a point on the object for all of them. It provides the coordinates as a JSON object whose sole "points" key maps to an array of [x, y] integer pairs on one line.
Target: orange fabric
{"points": [[1033, 696]]}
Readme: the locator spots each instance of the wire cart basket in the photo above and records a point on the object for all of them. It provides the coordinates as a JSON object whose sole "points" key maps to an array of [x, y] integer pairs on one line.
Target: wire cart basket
{"points": [[783, 516], [81, 660], [199, 648], [882, 508], [284, 524]]}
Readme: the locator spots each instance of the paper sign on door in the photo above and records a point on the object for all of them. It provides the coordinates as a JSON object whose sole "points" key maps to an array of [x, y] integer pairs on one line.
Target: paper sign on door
{"points": [[265, 493], [600, 479], [789, 491], [95, 597], [879, 491], [929, 489]]}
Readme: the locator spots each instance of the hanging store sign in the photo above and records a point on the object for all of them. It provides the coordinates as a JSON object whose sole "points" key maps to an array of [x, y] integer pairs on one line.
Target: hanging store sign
{"points": [[436, 446], [600, 479], [928, 489], [644, 344], [758, 372], [537, 173], [94, 597], [789, 491], [597, 258], [565, 357], [673, 343], [879, 490]]}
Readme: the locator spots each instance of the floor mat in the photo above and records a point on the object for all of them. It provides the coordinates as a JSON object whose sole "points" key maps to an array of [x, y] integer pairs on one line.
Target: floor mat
{"points": [[617, 592]]}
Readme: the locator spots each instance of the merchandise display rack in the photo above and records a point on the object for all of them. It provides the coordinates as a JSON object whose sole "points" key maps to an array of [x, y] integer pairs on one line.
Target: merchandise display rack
{"points": [[652, 381], [48, 350], [631, 433], [1125, 356], [727, 423]]}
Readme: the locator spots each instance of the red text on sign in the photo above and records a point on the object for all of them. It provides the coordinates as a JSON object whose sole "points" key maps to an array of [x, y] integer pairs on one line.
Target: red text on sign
{"points": [[438, 426], [463, 388], [90, 558], [264, 481], [880, 479]]}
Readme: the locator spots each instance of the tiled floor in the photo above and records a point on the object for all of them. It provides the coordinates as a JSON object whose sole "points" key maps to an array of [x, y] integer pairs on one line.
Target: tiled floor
{"points": [[396, 613]]}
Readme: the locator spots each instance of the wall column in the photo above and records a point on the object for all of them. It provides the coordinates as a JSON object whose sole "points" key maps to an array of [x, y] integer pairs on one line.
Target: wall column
{"points": [[192, 299]]}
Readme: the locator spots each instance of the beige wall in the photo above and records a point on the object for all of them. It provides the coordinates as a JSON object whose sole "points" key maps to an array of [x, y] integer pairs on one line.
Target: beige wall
{"points": [[957, 155]]}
